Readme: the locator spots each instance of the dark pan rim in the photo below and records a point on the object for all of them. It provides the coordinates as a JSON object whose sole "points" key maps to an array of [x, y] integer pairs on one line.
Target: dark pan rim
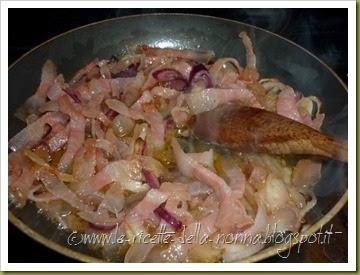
{"points": [[187, 15], [263, 254]]}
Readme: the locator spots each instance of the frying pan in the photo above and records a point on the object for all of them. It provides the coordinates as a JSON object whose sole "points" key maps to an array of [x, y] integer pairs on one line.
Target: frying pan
{"points": [[277, 57]]}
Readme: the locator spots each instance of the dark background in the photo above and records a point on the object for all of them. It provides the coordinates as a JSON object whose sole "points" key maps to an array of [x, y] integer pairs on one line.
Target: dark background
{"points": [[323, 32]]}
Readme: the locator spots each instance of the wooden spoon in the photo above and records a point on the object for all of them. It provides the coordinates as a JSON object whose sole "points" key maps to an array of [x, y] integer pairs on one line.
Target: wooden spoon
{"points": [[246, 129]]}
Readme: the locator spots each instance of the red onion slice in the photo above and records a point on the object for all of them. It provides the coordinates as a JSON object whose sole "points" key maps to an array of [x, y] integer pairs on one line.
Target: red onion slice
{"points": [[167, 74], [102, 126], [151, 179], [111, 114], [72, 94], [298, 96], [166, 216], [102, 227], [139, 147], [177, 84], [200, 73], [168, 122], [131, 71], [171, 78]]}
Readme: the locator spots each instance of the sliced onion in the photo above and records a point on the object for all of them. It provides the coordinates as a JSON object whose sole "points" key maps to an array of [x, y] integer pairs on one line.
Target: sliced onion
{"points": [[171, 78], [276, 194], [41, 162], [32, 132], [177, 84], [114, 200], [177, 252], [111, 114], [72, 94], [122, 125], [102, 127], [50, 106], [169, 122], [151, 179], [104, 70], [47, 130], [167, 74], [191, 62], [260, 222], [43, 197], [102, 227], [39, 143], [166, 216], [42, 141], [200, 73], [139, 147], [138, 252], [131, 71], [299, 96], [32, 118], [197, 188], [149, 163]]}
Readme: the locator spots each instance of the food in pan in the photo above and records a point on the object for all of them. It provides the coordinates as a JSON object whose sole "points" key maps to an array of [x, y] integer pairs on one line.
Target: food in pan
{"points": [[167, 140]]}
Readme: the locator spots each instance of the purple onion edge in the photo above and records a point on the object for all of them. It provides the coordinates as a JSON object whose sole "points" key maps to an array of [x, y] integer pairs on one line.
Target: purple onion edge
{"points": [[162, 70], [142, 144], [166, 216], [72, 94], [102, 227], [111, 114], [200, 71], [150, 178]]}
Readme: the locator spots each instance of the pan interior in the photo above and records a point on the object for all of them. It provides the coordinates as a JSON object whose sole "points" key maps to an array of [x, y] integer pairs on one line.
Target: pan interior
{"points": [[276, 57]]}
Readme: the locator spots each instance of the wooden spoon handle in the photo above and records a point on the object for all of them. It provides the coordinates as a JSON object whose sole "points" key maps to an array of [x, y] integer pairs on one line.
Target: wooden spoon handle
{"points": [[247, 129]]}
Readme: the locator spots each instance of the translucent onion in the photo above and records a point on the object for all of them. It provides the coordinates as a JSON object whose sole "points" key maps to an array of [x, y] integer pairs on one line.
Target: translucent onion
{"points": [[122, 125]]}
